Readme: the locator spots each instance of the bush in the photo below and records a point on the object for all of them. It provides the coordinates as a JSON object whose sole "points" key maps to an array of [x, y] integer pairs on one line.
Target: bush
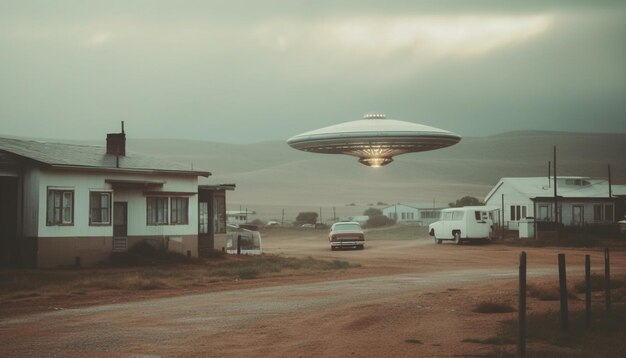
{"points": [[144, 253], [379, 221], [372, 212], [306, 217], [493, 307]]}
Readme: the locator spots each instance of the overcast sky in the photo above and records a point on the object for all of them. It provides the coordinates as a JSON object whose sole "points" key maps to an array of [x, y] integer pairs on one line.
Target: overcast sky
{"points": [[250, 71]]}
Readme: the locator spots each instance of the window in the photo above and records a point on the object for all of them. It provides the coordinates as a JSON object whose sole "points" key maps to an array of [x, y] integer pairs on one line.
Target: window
{"points": [[544, 212], [603, 213], [157, 210], [219, 215], [203, 218], [608, 212], [180, 212], [597, 212], [430, 214], [457, 215], [99, 208], [518, 212], [403, 216], [60, 207]]}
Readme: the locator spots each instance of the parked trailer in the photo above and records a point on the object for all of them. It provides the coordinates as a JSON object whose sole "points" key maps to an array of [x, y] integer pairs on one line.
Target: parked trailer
{"points": [[466, 223]]}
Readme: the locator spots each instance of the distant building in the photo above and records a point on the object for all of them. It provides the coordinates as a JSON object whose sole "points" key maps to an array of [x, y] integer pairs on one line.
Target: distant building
{"points": [[416, 214], [237, 217], [63, 204], [581, 200]]}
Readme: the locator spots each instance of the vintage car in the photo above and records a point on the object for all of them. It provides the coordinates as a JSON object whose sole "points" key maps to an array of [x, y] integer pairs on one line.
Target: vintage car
{"points": [[346, 234], [466, 223]]}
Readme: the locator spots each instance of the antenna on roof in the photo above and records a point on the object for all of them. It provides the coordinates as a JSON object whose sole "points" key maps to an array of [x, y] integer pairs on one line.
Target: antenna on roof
{"points": [[122, 126]]}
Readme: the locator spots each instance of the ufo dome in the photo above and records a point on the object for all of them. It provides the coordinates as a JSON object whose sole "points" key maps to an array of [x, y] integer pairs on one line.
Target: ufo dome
{"points": [[375, 140]]}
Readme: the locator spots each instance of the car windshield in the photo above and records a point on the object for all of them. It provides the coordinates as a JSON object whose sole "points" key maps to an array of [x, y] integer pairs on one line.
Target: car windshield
{"points": [[347, 227]]}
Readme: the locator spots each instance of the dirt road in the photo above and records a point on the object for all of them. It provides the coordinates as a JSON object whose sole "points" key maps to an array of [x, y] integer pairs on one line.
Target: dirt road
{"points": [[415, 300]]}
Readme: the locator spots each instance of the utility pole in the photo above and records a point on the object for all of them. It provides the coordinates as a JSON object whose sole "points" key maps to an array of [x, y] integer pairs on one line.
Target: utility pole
{"points": [[610, 188], [282, 219], [556, 200]]}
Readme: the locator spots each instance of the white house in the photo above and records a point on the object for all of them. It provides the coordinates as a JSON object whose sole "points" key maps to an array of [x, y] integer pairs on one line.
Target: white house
{"points": [[418, 214], [237, 217], [63, 204], [581, 200]]}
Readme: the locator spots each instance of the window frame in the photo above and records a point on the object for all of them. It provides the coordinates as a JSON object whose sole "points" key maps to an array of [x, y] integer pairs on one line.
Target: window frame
{"points": [[51, 221], [185, 211], [218, 205], [607, 211], [109, 208], [148, 211]]}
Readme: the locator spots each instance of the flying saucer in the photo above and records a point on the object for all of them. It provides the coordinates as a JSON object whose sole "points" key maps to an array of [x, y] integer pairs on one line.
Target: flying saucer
{"points": [[375, 140]]}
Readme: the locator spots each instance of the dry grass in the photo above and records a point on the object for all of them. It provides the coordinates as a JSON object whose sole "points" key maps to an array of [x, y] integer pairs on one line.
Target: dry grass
{"points": [[397, 232], [545, 338], [493, 307], [25, 283], [548, 293], [598, 283]]}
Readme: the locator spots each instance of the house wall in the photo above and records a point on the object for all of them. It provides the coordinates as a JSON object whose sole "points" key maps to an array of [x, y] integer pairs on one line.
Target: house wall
{"points": [[83, 183], [60, 245], [396, 212], [511, 198], [31, 202], [567, 210], [411, 214], [64, 251]]}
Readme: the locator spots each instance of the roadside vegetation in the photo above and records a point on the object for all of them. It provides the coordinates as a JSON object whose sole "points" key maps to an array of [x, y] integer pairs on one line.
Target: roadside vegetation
{"points": [[545, 338], [146, 269]]}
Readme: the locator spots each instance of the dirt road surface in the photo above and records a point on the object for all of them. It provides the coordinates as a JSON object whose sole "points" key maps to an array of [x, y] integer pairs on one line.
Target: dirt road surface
{"points": [[410, 297]]}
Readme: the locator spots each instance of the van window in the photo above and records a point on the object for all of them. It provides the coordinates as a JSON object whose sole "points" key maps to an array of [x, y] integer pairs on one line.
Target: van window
{"points": [[457, 215], [477, 215], [447, 216]]}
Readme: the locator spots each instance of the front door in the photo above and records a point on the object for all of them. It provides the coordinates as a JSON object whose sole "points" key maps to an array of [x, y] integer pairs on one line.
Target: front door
{"points": [[577, 215], [9, 244], [120, 219]]}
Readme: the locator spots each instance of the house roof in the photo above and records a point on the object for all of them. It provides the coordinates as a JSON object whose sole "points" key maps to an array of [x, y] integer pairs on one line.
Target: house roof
{"points": [[420, 206], [89, 157], [534, 187]]}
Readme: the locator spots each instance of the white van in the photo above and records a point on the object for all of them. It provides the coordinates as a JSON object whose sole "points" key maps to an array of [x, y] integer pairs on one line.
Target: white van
{"points": [[466, 223]]}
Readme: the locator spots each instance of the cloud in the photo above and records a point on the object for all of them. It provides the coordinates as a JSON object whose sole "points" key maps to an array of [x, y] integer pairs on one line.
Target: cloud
{"points": [[98, 39], [423, 37]]}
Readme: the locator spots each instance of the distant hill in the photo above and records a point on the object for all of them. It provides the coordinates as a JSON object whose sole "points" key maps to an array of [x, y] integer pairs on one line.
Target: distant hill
{"points": [[271, 176], [273, 173]]}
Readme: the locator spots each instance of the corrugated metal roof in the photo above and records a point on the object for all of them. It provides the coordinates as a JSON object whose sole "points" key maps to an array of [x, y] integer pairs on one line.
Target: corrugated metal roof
{"points": [[541, 187], [62, 155]]}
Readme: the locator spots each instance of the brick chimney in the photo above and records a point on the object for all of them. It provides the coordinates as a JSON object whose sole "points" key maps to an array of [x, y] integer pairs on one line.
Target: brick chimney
{"points": [[116, 143]]}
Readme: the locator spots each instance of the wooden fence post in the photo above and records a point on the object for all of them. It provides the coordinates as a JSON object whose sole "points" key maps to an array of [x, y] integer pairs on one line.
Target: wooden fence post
{"points": [[238, 244], [521, 321], [587, 291], [607, 279], [563, 292]]}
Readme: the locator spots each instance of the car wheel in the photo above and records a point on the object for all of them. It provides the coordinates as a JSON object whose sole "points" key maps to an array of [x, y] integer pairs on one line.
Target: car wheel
{"points": [[361, 247], [457, 237], [332, 248], [437, 241]]}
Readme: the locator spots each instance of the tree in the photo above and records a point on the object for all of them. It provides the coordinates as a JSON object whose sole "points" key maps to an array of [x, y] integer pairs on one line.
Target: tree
{"points": [[379, 221], [372, 212], [465, 201], [306, 217]]}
